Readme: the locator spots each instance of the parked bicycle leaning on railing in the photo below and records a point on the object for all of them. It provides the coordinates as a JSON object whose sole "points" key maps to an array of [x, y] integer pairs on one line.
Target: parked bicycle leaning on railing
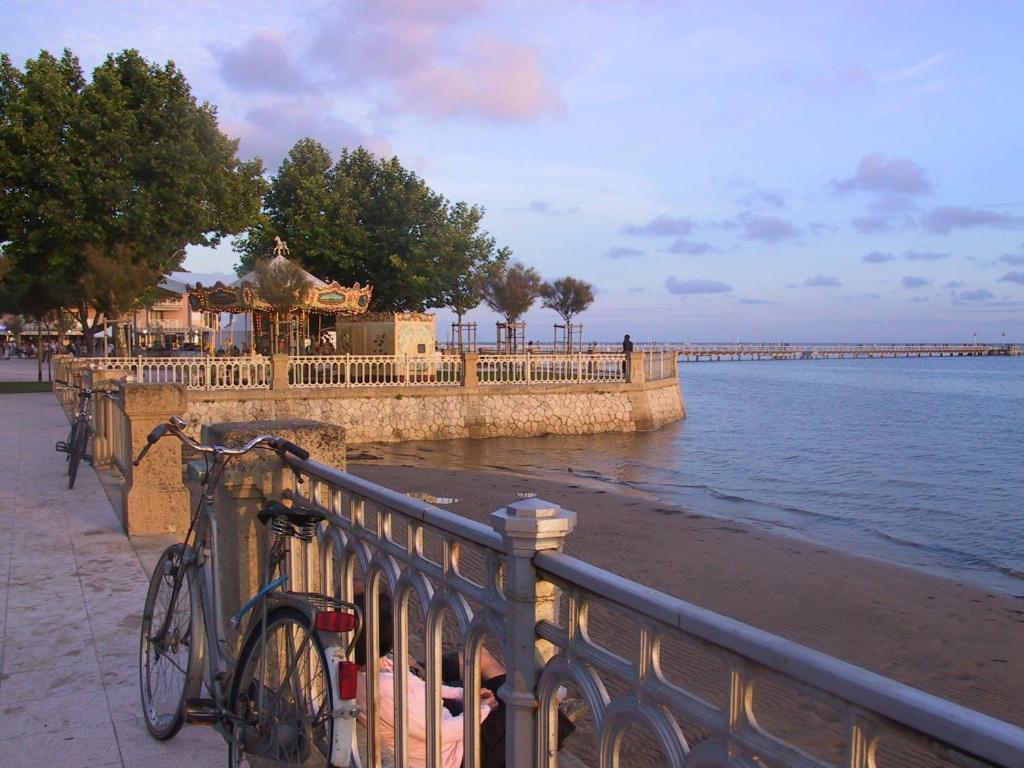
{"points": [[81, 427], [288, 698]]}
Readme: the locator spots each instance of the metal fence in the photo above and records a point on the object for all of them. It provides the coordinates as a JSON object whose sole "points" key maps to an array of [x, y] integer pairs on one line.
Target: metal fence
{"points": [[375, 371], [660, 364], [700, 689], [192, 372]]}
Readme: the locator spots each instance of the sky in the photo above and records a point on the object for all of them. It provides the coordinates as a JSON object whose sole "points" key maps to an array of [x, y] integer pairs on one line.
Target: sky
{"points": [[720, 171]]}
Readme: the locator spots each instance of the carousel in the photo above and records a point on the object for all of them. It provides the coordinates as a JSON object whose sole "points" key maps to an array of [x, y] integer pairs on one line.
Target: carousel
{"points": [[307, 328]]}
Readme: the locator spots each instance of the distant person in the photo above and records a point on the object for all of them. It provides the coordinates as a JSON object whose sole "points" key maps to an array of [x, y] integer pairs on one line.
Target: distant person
{"points": [[627, 349]]}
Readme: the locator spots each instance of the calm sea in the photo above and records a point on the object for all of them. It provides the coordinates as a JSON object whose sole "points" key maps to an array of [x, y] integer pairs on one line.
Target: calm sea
{"points": [[917, 461]]}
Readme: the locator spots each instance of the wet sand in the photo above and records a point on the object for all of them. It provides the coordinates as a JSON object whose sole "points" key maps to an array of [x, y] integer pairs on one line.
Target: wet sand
{"points": [[948, 638]]}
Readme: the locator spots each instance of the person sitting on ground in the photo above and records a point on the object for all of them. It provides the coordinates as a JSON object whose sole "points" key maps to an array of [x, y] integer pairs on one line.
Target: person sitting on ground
{"points": [[492, 709]]}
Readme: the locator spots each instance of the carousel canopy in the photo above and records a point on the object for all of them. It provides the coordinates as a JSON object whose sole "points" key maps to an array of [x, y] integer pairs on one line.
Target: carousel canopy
{"points": [[242, 295]]}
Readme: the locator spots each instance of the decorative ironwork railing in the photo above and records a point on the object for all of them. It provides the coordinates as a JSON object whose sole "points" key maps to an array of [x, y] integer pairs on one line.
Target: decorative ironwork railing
{"points": [[192, 372], [375, 371], [705, 691], [551, 369]]}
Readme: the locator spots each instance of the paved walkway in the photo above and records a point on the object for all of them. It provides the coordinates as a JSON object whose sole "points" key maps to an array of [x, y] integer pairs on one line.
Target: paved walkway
{"points": [[17, 369], [72, 588]]}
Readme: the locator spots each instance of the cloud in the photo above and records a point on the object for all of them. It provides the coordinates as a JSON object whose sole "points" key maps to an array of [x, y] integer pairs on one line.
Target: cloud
{"points": [[945, 219], [431, 58], [273, 126], [676, 226], [920, 299], [1011, 258], [867, 225], [757, 301], [924, 256], [685, 287], [766, 229], [916, 69], [690, 247], [1013, 277], [261, 64], [914, 282], [977, 295], [762, 198], [818, 228], [888, 176], [954, 284], [617, 252], [547, 209], [877, 257], [823, 281]]}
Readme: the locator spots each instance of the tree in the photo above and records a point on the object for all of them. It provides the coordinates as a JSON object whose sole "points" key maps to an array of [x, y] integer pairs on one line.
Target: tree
{"points": [[370, 220], [116, 175], [568, 296], [282, 285], [510, 290], [15, 326]]}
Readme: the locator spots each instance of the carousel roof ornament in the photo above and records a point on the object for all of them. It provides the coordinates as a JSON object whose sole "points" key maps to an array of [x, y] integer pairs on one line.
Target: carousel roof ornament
{"points": [[242, 295]]}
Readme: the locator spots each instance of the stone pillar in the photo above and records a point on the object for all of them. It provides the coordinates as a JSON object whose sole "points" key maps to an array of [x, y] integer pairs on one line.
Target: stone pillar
{"points": [[469, 378], [527, 527], [247, 482], [635, 367], [155, 499], [278, 372], [102, 416]]}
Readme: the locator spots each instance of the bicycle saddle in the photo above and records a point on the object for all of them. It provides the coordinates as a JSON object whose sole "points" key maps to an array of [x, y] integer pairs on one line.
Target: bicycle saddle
{"points": [[297, 515]]}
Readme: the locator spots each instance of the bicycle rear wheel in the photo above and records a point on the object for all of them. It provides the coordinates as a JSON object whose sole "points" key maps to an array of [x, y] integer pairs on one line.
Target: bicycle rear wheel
{"points": [[71, 442], [77, 451], [167, 661], [281, 696]]}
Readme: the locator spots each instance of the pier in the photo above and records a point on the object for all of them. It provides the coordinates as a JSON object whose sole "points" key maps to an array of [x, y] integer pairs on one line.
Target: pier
{"points": [[781, 351]]}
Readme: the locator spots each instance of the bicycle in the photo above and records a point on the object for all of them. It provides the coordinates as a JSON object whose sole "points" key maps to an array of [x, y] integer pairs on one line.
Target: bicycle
{"points": [[81, 428], [288, 698]]}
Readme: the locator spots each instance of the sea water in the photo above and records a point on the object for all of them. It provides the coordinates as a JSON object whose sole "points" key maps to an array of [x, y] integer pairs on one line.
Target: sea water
{"points": [[918, 461]]}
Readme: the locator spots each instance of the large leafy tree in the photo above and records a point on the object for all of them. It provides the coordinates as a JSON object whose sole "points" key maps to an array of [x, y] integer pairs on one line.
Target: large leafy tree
{"points": [[116, 175], [370, 220], [568, 296]]}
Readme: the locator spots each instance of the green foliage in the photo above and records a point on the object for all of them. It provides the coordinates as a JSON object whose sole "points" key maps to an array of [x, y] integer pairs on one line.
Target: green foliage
{"points": [[511, 289], [15, 325], [369, 220], [568, 296], [118, 174]]}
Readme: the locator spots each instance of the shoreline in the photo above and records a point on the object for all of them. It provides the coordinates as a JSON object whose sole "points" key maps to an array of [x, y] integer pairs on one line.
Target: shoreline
{"points": [[950, 638]]}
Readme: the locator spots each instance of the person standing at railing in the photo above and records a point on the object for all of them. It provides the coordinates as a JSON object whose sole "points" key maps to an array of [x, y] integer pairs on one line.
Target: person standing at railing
{"points": [[627, 350]]}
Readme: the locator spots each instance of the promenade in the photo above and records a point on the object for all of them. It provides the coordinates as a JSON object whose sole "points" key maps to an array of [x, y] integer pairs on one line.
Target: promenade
{"points": [[72, 587]]}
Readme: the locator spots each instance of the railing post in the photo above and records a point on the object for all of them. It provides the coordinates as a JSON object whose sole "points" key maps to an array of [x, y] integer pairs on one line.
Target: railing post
{"points": [[155, 499], [470, 378], [102, 417], [527, 527], [279, 372], [635, 367]]}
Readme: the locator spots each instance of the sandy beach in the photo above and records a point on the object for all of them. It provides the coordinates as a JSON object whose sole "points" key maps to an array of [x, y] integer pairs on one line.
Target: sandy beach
{"points": [[948, 638]]}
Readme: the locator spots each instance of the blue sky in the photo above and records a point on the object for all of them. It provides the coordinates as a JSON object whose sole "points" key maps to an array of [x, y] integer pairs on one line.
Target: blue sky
{"points": [[719, 171]]}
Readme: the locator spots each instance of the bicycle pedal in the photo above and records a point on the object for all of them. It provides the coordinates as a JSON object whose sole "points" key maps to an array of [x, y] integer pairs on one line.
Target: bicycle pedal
{"points": [[62, 447], [201, 712]]}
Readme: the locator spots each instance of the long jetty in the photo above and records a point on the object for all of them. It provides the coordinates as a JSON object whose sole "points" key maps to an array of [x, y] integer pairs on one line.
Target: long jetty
{"points": [[780, 351]]}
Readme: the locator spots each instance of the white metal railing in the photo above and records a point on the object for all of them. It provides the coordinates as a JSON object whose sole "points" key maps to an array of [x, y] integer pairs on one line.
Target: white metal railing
{"points": [[375, 371], [192, 372], [550, 369], [703, 690], [660, 364]]}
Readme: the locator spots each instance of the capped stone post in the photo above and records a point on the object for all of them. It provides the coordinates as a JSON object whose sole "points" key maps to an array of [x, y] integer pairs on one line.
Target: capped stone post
{"points": [[527, 527]]}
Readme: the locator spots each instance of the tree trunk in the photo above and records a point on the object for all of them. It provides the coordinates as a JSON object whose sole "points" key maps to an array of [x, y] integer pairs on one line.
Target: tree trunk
{"points": [[39, 349]]}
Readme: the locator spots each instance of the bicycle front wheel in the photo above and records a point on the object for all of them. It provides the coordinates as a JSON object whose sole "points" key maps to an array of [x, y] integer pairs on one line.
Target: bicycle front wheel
{"points": [[71, 441], [77, 451], [281, 696], [167, 660]]}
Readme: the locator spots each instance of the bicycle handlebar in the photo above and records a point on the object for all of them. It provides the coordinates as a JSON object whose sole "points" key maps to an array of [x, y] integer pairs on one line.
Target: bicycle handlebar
{"points": [[176, 426]]}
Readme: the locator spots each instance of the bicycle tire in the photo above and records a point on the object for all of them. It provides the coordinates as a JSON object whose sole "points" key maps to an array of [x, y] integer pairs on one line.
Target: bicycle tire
{"points": [[77, 453], [71, 442], [170, 662], [282, 732]]}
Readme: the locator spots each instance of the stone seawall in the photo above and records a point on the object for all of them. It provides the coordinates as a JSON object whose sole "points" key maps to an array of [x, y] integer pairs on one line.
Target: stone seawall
{"points": [[417, 413]]}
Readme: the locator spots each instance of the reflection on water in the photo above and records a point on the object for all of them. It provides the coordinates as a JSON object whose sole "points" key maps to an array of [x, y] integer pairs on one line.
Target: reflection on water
{"points": [[912, 460]]}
